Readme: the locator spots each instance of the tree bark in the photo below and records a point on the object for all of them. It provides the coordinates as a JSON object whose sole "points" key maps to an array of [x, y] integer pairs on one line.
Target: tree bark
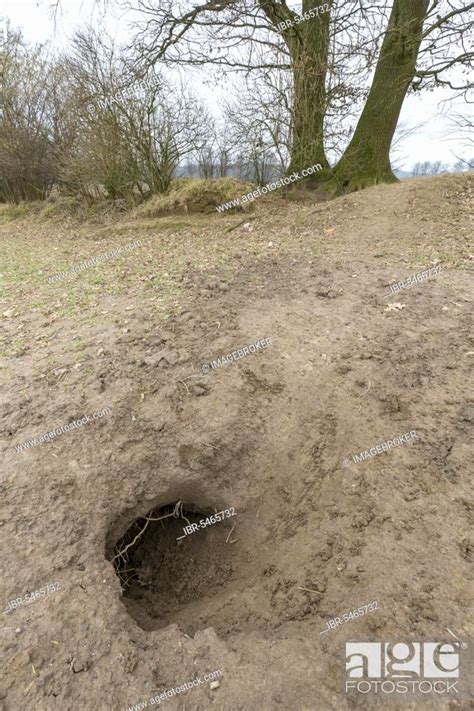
{"points": [[308, 43], [366, 160], [310, 57]]}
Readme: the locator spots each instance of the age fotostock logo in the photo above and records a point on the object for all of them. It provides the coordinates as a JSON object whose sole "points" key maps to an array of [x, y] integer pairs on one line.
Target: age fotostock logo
{"points": [[403, 667]]}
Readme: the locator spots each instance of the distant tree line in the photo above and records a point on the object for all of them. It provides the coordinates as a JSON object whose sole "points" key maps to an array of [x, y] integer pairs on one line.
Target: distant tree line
{"points": [[435, 167]]}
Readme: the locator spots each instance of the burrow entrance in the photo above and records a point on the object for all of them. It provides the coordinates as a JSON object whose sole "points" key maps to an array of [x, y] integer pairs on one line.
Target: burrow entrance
{"points": [[165, 570]]}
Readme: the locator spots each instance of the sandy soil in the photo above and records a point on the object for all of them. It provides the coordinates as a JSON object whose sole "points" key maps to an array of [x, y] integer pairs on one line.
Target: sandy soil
{"points": [[270, 436]]}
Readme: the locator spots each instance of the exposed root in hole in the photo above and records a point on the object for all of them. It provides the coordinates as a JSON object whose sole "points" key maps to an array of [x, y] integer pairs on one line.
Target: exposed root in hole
{"points": [[162, 571], [122, 556], [174, 513]]}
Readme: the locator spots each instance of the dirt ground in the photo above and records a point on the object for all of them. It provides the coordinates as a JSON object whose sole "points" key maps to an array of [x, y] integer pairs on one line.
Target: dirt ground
{"points": [[270, 436]]}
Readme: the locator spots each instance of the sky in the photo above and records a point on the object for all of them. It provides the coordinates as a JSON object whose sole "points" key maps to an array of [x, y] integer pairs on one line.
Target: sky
{"points": [[38, 24]]}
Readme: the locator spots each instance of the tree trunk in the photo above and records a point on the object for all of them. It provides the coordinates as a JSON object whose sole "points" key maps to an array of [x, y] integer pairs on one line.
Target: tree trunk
{"points": [[308, 44], [366, 160], [310, 57]]}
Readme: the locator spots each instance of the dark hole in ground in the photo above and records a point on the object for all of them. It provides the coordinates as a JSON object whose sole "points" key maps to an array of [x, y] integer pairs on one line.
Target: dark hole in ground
{"points": [[161, 575]]}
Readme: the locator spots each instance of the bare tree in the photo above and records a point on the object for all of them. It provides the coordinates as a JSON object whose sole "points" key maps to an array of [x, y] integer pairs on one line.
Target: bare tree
{"points": [[462, 131], [27, 120], [410, 43], [134, 130], [403, 132]]}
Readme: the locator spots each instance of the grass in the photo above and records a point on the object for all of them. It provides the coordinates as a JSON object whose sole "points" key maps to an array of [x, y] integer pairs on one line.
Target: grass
{"points": [[14, 349], [9, 211], [193, 195], [172, 246]]}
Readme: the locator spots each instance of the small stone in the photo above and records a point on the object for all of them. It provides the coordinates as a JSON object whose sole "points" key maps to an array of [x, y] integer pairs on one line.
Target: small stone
{"points": [[468, 414], [9, 313], [215, 685], [79, 665]]}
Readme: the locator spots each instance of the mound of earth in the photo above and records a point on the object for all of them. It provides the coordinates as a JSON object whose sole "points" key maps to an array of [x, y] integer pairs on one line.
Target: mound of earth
{"points": [[193, 195]]}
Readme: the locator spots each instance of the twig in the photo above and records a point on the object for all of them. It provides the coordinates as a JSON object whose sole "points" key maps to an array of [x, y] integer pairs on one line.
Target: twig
{"points": [[308, 590], [246, 219], [187, 389], [230, 533]]}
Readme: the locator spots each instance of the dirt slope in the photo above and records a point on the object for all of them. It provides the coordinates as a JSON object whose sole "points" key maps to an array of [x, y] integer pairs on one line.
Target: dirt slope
{"points": [[270, 436]]}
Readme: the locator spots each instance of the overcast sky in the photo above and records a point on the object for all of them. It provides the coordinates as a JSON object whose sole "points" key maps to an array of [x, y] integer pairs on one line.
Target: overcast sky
{"points": [[35, 19]]}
